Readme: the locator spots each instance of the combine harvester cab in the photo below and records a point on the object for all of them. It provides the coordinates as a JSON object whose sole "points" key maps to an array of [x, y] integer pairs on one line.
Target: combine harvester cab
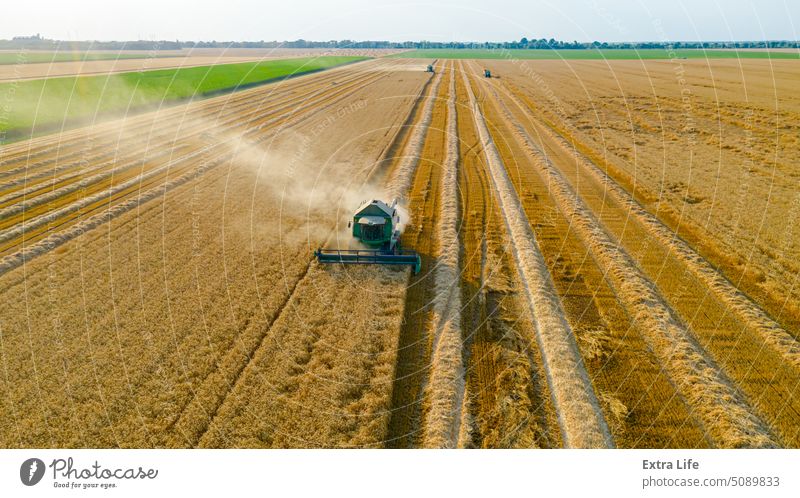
{"points": [[374, 225]]}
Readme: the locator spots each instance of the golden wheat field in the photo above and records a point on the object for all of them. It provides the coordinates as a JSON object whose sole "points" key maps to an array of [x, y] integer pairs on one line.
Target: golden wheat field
{"points": [[609, 259]]}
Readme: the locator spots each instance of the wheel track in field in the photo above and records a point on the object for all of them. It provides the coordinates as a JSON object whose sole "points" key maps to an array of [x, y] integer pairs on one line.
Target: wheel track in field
{"points": [[473, 301], [419, 331], [545, 424], [208, 416], [711, 394], [579, 415], [475, 306], [406, 427]]}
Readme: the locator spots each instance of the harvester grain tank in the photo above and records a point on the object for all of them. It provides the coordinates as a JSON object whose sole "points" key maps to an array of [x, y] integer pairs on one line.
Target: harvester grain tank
{"points": [[375, 225], [487, 73]]}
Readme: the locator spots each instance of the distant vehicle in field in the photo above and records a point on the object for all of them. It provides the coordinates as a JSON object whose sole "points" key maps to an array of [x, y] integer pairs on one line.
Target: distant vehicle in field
{"points": [[429, 68], [487, 73]]}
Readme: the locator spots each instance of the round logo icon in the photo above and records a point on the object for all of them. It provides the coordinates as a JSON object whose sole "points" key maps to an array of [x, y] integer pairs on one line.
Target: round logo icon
{"points": [[31, 471]]}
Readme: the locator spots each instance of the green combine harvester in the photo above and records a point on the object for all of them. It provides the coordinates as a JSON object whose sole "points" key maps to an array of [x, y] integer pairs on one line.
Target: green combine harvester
{"points": [[374, 225]]}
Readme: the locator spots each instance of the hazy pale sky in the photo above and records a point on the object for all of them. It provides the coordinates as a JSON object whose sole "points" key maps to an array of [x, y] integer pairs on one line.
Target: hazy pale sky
{"points": [[467, 20]]}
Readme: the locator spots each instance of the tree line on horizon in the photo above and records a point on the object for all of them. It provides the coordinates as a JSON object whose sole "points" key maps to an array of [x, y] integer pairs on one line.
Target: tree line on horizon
{"points": [[37, 42]]}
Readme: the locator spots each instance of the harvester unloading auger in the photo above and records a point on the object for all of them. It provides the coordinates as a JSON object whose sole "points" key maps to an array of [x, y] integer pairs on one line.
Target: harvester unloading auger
{"points": [[374, 225]]}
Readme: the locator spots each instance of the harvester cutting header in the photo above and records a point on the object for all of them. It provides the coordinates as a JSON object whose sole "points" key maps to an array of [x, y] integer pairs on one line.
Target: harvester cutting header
{"points": [[375, 224]]}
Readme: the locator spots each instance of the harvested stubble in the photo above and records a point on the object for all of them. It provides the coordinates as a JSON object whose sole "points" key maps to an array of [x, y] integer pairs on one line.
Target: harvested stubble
{"points": [[508, 403], [745, 309], [414, 356], [761, 374], [727, 418], [581, 420], [712, 154], [642, 407]]}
